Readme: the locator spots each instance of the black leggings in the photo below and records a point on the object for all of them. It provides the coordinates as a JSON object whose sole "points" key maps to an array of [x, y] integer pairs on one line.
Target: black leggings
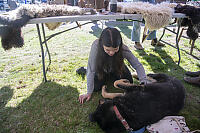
{"points": [[111, 77]]}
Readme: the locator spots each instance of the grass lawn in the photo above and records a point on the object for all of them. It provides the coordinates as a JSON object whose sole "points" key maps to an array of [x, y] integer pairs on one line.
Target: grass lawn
{"points": [[29, 105]]}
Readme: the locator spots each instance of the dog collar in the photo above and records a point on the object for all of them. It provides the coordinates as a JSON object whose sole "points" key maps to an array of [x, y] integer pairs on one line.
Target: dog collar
{"points": [[123, 121]]}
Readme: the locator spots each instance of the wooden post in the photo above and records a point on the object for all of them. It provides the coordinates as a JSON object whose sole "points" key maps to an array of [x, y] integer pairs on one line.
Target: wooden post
{"points": [[192, 46]]}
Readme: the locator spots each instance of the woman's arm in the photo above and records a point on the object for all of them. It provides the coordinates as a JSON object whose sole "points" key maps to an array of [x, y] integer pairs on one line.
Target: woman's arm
{"points": [[90, 73], [91, 67], [135, 64]]}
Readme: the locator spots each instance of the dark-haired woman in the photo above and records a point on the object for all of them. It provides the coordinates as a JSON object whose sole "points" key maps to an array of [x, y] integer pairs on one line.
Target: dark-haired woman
{"points": [[106, 62]]}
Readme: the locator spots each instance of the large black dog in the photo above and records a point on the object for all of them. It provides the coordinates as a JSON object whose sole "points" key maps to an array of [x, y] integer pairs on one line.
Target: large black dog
{"points": [[141, 105]]}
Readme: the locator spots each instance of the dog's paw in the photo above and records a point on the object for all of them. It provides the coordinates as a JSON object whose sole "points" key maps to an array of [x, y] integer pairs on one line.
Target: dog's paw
{"points": [[103, 92], [150, 75], [104, 87], [151, 78]]}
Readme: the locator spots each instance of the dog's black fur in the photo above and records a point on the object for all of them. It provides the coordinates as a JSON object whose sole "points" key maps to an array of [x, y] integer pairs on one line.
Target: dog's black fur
{"points": [[192, 21], [141, 105], [11, 37], [10, 31], [12, 22]]}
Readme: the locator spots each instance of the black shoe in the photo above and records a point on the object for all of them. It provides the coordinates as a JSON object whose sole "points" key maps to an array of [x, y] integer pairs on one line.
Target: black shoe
{"points": [[81, 71], [138, 46], [193, 80], [193, 74], [155, 42]]}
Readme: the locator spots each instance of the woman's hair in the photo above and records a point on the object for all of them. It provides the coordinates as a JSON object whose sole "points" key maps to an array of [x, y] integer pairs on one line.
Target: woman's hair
{"points": [[110, 37]]}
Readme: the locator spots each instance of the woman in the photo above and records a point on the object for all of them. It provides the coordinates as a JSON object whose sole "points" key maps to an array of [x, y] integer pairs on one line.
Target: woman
{"points": [[106, 62]]}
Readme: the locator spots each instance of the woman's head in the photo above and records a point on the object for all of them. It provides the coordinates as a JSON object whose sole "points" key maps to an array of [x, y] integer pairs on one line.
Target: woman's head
{"points": [[109, 54], [110, 41]]}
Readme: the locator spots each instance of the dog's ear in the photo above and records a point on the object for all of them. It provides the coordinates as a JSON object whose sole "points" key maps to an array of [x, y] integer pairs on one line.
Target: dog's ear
{"points": [[101, 101]]}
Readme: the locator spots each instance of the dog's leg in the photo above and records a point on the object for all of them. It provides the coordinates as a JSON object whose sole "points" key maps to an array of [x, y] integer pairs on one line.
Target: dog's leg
{"points": [[105, 94]]}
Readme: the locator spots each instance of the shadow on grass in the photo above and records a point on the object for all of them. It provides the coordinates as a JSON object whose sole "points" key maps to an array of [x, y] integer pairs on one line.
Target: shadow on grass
{"points": [[162, 63], [50, 108], [6, 94], [96, 29], [123, 26], [125, 30]]}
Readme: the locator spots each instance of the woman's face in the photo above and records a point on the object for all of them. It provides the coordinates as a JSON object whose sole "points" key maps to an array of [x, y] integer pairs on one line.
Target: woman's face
{"points": [[110, 50]]}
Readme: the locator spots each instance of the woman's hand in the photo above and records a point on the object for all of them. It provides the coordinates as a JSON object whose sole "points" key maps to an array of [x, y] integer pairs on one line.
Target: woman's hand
{"points": [[84, 97]]}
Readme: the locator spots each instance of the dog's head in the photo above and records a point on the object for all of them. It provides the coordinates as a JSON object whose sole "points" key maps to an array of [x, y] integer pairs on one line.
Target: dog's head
{"points": [[106, 118]]}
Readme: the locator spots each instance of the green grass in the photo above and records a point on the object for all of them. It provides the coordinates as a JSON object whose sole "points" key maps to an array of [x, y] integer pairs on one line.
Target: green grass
{"points": [[29, 105]]}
